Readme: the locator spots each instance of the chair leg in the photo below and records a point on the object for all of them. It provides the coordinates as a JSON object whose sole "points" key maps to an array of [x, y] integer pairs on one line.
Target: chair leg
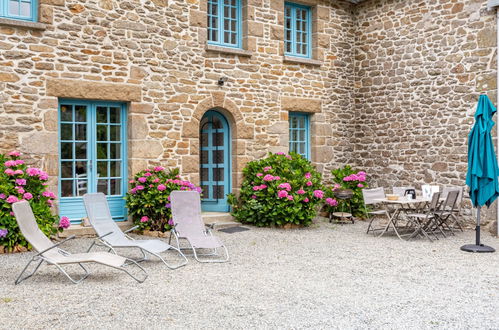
{"points": [[133, 262], [70, 278], [19, 279]]}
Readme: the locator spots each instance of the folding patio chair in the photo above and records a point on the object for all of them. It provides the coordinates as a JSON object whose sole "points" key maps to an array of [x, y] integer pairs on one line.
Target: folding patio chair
{"points": [[189, 225], [456, 212], [371, 197], [111, 236], [446, 212], [53, 255], [424, 221]]}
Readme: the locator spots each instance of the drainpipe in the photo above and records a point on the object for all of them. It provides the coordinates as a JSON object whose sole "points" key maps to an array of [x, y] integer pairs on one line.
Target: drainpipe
{"points": [[495, 4]]}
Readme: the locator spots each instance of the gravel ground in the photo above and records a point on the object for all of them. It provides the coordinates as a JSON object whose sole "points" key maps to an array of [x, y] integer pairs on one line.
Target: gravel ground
{"points": [[325, 276]]}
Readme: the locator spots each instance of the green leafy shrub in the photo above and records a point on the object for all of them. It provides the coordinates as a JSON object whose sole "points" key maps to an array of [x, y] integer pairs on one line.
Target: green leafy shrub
{"points": [[278, 190], [20, 182], [347, 178], [148, 201]]}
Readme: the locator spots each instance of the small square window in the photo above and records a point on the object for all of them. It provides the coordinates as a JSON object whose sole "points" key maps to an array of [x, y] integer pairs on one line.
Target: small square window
{"points": [[298, 30], [26, 10]]}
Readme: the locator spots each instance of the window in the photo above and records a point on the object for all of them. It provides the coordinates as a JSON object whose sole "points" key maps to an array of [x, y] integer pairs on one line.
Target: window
{"points": [[224, 23], [92, 155], [299, 138], [19, 9], [298, 26]]}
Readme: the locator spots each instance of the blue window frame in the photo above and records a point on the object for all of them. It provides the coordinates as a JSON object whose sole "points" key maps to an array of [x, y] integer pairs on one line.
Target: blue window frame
{"points": [[26, 10], [297, 30], [299, 134], [92, 155], [225, 23]]}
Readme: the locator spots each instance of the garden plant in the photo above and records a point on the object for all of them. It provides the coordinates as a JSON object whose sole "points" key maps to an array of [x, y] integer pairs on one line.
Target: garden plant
{"points": [[278, 190], [148, 200], [21, 182], [347, 178]]}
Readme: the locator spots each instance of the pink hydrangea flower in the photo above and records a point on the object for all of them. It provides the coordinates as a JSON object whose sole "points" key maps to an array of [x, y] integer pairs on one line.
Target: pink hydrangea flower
{"points": [[27, 196], [263, 186], [21, 182], [10, 163], [308, 175], [277, 178], [285, 185], [155, 180], [20, 190], [267, 168], [139, 187], [331, 202], [133, 191], [309, 183], [268, 177], [282, 194], [279, 153], [2, 196], [360, 185], [32, 171], [259, 174], [19, 162], [253, 196], [131, 181], [290, 197], [256, 188], [170, 222], [43, 177], [300, 192], [142, 179], [158, 168], [9, 171], [3, 232], [48, 194], [64, 222], [144, 219], [161, 187], [147, 174], [318, 194], [306, 200], [14, 153], [336, 186], [150, 186], [18, 172], [12, 199], [289, 157], [50, 202]]}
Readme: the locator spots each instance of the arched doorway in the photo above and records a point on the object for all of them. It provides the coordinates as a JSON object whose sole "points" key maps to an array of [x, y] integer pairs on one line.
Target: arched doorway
{"points": [[215, 164]]}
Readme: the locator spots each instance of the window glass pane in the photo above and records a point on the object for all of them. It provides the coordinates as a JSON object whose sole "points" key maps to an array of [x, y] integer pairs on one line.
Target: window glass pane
{"points": [[218, 139], [115, 169], [218, 156], [81, 169], [102, 151], [114, 133], [102, 169], [101, 114], [204, 174], [115, 149], [66, 150], [218, 191], [14, 8], [114, 115], [81, 150], [80, 132], [204, 139], [25, 9], [66, 132], [206, 192], [81, 113], [218, 174], [66, 113], [66, 169], [204, 157], [102, 132], [115, 186], [102, 186], [67, 188]]}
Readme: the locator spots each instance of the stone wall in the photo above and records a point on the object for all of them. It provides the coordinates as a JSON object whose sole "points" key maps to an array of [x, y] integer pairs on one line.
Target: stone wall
{"points": [[153, 56], [420, 67]]}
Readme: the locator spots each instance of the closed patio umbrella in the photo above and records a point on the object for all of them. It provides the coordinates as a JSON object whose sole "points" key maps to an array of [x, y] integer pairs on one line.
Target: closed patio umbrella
{"points": [[482, 166]]}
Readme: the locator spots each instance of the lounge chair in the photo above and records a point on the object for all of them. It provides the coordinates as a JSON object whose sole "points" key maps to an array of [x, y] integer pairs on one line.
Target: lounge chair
{"points": [[111, 236], [188, 225], [53, 255]]}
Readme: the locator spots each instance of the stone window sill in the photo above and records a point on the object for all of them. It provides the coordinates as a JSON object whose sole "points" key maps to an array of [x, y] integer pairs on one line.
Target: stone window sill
{"points": [[301, 60], [22, 24], [228, 50]]}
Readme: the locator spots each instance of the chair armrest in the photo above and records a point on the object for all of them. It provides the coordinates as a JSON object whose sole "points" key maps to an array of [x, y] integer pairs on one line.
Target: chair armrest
{"points": [[56, 245], [101, 236], [131, 229]]}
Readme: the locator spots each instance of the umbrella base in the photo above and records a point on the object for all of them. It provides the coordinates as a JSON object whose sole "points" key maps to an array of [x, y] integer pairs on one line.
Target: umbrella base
{"points": [[477, 248]]}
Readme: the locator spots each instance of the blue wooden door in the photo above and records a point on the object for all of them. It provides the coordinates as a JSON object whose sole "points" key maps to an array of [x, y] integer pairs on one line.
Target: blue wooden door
{"points": [[215, 161], [92, 156]]}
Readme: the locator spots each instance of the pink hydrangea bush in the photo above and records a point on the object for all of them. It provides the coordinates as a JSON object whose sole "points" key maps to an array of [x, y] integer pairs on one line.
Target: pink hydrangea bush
{"points": [[347, 178], [21, 182], [278, 190], [148, 199]]}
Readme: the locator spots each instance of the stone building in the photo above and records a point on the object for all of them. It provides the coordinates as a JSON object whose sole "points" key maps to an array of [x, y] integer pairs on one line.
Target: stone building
{"points": [[94, 91]]}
